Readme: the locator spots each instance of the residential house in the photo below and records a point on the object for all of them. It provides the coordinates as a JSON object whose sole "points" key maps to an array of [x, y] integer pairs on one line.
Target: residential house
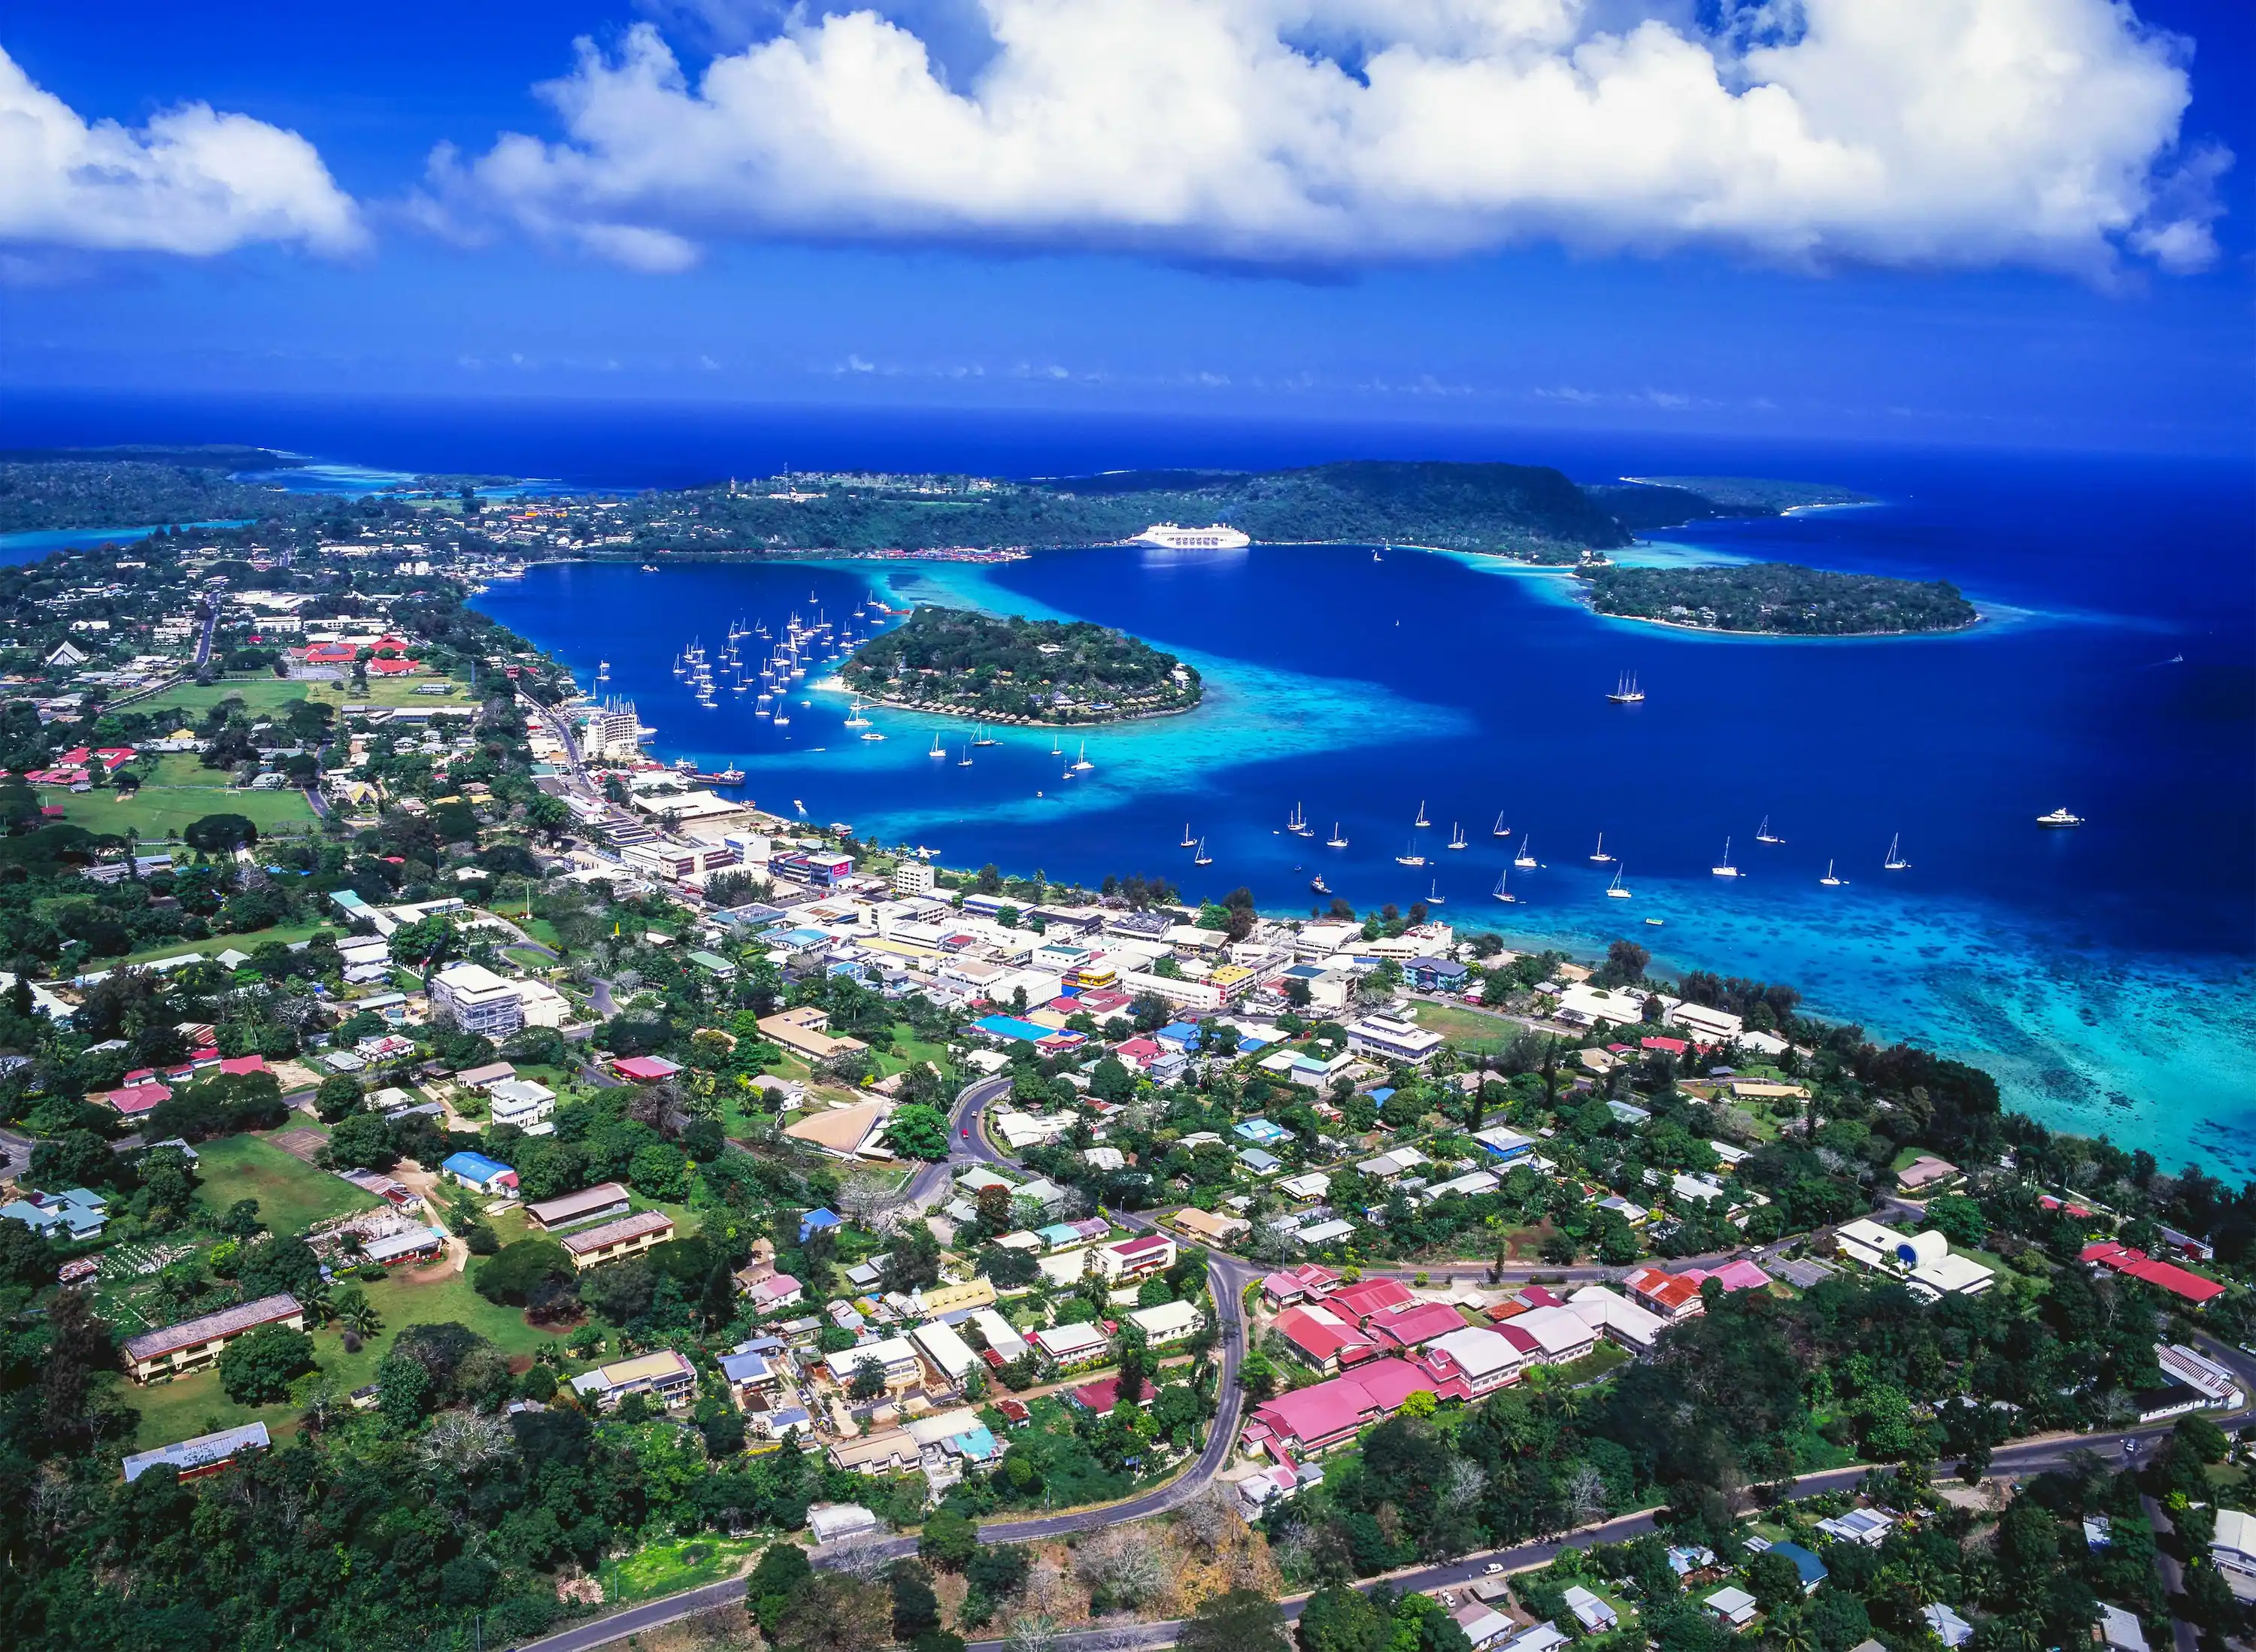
{"points": [[2119, 1630], [1594, 1614], [74, 1214], [1322, 1338], [1134, 1259], [525, 1104], [1672, 1296], [896, 1354], [667, 1377], [1811, 1569], [1731, 1607], [1065, 1348], [774, 1294], [1209, 1228], [1866, 1527], [1949, 1629], [845, 1133], [1168, 1323]]}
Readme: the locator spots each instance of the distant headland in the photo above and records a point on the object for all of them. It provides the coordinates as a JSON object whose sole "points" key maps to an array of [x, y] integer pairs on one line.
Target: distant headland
{"points": [[1044, 671]]}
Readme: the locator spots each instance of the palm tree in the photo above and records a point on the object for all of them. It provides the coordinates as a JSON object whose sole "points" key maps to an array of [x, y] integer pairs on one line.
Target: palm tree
{"points": [[1789, 1632]]}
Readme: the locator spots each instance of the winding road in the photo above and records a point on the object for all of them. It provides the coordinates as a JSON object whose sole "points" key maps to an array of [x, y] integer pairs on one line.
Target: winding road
{"points": [[1227, 1278]]}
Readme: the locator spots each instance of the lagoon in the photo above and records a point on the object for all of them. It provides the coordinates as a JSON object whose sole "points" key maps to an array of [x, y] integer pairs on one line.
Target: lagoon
{"points": [[2103, 974]]}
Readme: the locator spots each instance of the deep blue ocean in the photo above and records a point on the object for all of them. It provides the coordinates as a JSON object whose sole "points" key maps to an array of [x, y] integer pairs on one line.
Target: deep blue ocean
{"points": [[2107, 974]]}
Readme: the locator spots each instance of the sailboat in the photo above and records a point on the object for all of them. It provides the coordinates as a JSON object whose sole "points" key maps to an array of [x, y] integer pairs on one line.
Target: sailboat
{"points": [[1202, 858], [1410, 857], [964, 762], [1598, 856], [1626, 690], [781, 716], [1501, 894], [1828, 879], [1614, 889], [1435, 897], [1457, 837], [938, 749], [1499, 829], [980, 737], [1056, 748], [1726, 870], [1895, 862], [1764, 834], [1297, 823], [1523, 858], [1188, 842], [603, 671], [1336, 841], [854, 717], [1081, 765], [1421, 820]]}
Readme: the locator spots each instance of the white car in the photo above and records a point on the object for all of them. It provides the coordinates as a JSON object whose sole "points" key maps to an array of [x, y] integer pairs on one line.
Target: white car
{"points": [[1493, 1567]]}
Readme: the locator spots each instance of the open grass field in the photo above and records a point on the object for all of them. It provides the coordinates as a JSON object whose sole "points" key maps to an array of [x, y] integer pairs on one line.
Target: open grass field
{"points": [[179, 794], [686, 1562], [1463, 1027], [212, 946], [259, 694], [196, 1404], [292, 1195]]}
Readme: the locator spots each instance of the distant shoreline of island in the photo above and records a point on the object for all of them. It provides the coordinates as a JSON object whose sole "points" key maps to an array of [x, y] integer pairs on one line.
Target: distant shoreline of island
{"points": [[1777, 599]]}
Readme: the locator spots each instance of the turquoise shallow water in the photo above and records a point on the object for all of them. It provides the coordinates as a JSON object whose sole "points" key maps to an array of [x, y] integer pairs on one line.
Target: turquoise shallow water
{"points": [[2105, 998]]}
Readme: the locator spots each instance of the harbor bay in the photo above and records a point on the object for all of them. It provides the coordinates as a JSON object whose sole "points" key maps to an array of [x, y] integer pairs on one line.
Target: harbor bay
{"points": [[2104, 980]]}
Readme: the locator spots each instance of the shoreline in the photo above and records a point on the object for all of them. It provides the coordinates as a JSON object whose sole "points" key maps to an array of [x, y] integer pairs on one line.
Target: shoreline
{"points": [[1794, 636], [1013, 721]]}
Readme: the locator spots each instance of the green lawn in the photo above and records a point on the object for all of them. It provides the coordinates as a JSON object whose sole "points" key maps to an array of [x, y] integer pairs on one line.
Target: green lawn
{"points": [[179, 794], [258, 694], [212, 946], [292, 1194], [196, 1404], [686, 1562], [1465, 1027]]}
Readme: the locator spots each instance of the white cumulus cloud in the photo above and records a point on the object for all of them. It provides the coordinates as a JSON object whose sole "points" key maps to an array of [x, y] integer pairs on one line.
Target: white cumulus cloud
{"points": [[193, 180], [1910, 132]]}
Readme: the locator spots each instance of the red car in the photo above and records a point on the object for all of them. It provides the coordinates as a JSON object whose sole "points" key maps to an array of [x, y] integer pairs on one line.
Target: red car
{"points": [[967, 1132]]}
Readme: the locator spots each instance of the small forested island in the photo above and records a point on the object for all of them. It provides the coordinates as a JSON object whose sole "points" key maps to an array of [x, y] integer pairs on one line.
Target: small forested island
{"points": [[140, 486], [1020, 670], [1779, 599]]}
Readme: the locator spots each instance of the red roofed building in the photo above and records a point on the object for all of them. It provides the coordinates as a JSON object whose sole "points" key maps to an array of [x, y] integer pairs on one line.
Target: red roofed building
{"points": [[328, 654], [1328, 1413], [1359, 1302], [136, 1099], [1412, 1325], [2168, 1276], [1671, 1295], [394, 668], [1671, 1046], [236, 1066], [644, 1068], [1323, 1339], [1097, 1398], [1310, 1281]]}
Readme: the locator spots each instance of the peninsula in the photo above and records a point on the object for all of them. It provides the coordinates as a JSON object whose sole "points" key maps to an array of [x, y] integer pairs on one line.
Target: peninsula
{"points": [[1019, 670], [1640, 504], [1782, 599]]}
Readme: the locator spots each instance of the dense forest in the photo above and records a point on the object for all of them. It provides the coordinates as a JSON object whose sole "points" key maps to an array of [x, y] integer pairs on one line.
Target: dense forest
{"points": [[1782, 598], [134, 487], [1659, 501], [952, 660]]}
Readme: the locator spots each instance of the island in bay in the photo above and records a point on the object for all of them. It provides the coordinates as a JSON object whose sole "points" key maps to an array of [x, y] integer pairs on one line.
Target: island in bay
{"points": [[1018, 670], [1780, 599]]}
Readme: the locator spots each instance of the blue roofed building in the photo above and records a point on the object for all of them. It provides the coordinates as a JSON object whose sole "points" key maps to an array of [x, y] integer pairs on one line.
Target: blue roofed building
{"points": [[1805, 1561], [816, 1221], [1260, 1131], [75, 1213], [476, 1171], [1182, 1033], [1436, 975]]}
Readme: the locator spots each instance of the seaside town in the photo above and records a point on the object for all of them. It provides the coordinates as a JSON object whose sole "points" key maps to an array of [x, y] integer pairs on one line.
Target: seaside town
{"points": [[465, 1176]]}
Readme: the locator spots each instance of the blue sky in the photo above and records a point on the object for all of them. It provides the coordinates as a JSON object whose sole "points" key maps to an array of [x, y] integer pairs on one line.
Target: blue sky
{"points": [[1828, 217]]}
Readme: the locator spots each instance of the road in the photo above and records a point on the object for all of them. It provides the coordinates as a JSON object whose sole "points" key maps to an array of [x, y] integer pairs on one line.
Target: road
{"points": [[204, 640], [1227, 1277]]}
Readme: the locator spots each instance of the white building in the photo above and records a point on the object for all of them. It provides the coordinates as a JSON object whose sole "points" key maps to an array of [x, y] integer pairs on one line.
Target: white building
{"points": [[913, 878], [477, 1001], [1924, 1262], [1391, 1038], [1485, 1358], [610, 732], [894, 1354], [1168, 1323], [522, 1103], [945, 1352], [1000, 1336]]}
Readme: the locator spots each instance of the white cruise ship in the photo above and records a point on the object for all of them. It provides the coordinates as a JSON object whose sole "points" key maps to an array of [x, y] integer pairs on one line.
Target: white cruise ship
{"points": [[1168, 536]]}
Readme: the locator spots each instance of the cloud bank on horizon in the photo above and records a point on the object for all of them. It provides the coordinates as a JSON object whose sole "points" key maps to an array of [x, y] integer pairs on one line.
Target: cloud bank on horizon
{"points": [[1943, 133], [193, 181]]}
